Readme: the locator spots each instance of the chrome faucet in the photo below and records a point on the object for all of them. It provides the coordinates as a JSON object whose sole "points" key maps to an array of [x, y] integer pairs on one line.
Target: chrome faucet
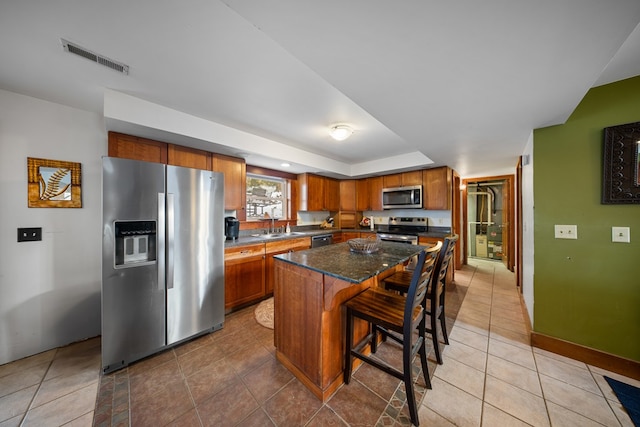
{"points": [[273, 224]]}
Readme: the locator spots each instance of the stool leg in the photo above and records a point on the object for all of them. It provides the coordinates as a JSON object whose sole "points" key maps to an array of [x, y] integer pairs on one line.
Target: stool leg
{"points": [[425, 365], [434, 337], [408, 383], [348, 359], [443, 321]]}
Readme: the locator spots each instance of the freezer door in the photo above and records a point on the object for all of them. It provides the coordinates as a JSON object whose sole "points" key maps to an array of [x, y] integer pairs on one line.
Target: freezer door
{"points": [[195, 252], [133, 293]]}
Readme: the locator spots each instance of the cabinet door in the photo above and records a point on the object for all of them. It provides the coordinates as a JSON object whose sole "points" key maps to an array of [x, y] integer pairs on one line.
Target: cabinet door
{"points": [[375, 186], [331, 195], [392, 181], [244, 281], [317, 193], [348, 195], [348, 235], [235, 181], [310, 192], [437, 188], [178, 155], [132, 147], [412, 178], [363, 195]]}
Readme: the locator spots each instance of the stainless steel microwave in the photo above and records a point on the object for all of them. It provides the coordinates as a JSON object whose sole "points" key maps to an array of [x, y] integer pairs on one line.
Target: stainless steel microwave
{"points": [[409, 197]]}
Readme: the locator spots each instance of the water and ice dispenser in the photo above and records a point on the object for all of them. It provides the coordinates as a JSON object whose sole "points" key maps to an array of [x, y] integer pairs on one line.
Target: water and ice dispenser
{"points": [[135, 242]]}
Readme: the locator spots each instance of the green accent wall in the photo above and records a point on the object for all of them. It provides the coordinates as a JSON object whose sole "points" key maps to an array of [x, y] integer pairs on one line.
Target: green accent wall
{"points": [[586, 291]]}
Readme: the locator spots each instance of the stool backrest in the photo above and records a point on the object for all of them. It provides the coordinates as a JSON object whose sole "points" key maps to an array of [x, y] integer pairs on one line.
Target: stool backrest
{"points": [[440, 270], [417, 291]]}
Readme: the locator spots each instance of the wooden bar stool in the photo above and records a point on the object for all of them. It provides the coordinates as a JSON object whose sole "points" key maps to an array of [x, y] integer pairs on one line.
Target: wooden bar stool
{"points": [[389, 314], [401, 280]]}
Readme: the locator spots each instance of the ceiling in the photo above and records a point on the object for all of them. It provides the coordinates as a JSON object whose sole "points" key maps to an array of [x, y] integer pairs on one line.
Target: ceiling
{"points": [[422, 82]]}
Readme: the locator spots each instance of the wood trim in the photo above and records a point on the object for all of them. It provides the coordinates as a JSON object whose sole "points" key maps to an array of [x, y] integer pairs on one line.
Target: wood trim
{"points": [[133, 147], [256, 170], [509, 179], [610, 362]]}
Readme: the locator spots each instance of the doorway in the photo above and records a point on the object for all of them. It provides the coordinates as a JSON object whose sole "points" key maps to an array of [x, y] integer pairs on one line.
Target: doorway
{"points": [[488, 219]]}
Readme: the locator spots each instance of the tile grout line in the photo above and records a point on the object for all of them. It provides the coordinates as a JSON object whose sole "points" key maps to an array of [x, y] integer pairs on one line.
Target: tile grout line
{"points": [[30, 406]]}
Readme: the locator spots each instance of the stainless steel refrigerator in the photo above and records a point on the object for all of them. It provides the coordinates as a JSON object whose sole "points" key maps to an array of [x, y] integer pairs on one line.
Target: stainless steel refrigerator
{"points": [[162, 257]]}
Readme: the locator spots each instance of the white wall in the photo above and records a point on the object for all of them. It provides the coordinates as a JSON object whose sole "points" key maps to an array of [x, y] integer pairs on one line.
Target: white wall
{"points": [[49, 290], [527, 228]]}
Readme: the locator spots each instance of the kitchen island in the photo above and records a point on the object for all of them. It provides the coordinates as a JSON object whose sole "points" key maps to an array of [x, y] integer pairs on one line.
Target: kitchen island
{"points": [[310, 288]]}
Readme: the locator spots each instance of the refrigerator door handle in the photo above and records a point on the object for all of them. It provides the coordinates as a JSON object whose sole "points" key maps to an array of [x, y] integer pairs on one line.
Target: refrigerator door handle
{"points": [[170, 239], [162, 238]]}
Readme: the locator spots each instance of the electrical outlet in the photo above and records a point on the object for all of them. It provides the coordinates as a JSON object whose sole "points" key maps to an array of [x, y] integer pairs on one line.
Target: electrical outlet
{"points": [[33, 234], [621, 234], [566, 231]]}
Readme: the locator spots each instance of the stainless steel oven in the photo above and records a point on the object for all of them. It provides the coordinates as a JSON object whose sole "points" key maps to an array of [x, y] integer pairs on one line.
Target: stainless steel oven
{"points": [[411, 239]]}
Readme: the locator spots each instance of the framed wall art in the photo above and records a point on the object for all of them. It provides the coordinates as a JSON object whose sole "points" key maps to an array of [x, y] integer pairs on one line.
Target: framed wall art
{"points": [[621, 169], [54, 183]]}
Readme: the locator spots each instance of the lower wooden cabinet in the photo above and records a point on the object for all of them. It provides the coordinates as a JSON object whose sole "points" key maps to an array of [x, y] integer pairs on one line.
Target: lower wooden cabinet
{"points": [[244, 275], [249, 270]]}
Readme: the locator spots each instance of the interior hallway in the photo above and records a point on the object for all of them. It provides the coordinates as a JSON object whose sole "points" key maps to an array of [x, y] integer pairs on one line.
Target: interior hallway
{"points": [[490, 377]]}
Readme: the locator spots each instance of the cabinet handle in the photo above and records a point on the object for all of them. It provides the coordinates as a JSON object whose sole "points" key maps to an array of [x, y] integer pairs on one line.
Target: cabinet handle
{"points": [[245, 251]]}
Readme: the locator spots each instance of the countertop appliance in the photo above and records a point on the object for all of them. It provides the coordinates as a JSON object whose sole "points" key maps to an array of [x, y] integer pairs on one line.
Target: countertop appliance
{"points": [[403, 229], [409, 197], [321, 240], [162, 257], [231, 228]]}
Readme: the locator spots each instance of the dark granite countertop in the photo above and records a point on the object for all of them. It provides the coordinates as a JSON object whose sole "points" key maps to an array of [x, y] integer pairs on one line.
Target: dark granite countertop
{"points": [[338, 261], [248, 240]]}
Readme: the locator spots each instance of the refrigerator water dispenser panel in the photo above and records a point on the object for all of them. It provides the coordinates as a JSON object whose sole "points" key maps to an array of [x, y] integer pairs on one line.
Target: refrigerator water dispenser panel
{"points": [[135, 243]]}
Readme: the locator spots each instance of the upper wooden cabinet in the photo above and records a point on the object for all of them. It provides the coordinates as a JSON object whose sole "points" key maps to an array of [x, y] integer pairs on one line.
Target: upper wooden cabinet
{"points": [[402, 179], [317, 193], [178, 155], [235, 181], [332, 194], [369, 194], [363, 195], [437, 188], [348, 195], [132, 147], [376, 186]]}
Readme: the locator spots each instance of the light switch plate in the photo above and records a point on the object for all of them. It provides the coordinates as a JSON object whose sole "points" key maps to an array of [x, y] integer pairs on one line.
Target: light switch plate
{"points": [[621, 234], [566, 231]]}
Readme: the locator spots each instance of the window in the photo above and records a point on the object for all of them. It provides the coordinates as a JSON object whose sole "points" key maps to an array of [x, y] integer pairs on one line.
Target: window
{"points": [[266, 195]]}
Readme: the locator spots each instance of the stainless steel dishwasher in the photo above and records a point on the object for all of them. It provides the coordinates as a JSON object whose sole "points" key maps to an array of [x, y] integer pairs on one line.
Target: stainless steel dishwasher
{"points": [[321, 240]]}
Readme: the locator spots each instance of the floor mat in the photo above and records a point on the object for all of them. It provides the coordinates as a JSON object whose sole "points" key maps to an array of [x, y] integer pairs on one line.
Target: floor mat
{"points": [[629, 396], [264, 313]]}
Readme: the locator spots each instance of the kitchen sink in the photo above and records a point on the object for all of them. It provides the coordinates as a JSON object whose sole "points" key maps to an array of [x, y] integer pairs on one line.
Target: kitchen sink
{"points": [[274, 235]]}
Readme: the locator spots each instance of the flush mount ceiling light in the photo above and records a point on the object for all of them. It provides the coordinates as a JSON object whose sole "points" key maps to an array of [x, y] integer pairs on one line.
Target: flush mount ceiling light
{"points": [[340, 132]]}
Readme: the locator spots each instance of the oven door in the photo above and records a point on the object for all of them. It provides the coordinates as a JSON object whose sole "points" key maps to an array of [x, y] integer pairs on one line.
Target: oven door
{"points": [[402, 238]]}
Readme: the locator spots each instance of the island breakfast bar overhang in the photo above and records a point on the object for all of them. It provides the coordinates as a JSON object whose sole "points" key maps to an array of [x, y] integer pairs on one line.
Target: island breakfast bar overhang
{"points": [[310, 288]]}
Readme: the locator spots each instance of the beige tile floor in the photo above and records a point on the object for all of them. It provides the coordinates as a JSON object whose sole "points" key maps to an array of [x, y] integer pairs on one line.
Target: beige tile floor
{"points": [[490, 376]]}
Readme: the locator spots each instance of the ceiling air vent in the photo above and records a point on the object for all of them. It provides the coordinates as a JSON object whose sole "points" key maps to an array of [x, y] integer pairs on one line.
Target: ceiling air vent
{"points": [[95, 57]]}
